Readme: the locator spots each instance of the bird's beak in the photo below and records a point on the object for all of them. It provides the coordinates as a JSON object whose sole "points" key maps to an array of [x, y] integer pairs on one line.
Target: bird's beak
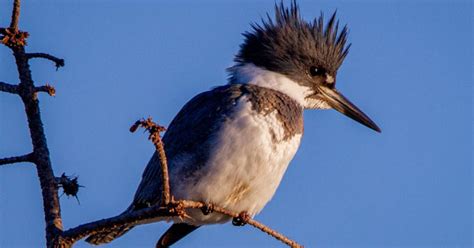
{"points": [[340, 103]]}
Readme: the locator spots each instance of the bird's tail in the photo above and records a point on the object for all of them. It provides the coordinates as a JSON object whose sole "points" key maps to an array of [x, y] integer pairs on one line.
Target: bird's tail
{"points": [[108, 235]]}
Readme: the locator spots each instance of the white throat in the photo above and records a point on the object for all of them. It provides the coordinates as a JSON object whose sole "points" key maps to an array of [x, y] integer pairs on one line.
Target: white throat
{"points": [[252, 74]]}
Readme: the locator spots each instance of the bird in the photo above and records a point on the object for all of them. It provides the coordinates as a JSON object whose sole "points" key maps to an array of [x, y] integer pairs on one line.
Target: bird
{"points": [[230, 146]]}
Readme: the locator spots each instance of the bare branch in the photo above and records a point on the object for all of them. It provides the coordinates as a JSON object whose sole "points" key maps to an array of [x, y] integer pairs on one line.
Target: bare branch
{"points": [[79, 232], [16, 41], [17, 159], [154, 130], [59, 62], [246, 219], [174, 209], [273, 233], [15, 15], [46, 88], [10, 88]]}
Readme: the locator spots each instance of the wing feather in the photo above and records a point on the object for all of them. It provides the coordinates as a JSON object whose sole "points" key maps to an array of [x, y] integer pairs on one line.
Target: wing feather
{"points": [[189, 135]]}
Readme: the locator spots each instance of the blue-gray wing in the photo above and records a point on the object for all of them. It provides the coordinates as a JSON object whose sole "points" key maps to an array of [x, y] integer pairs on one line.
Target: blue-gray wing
{"points": [[189, 134]]}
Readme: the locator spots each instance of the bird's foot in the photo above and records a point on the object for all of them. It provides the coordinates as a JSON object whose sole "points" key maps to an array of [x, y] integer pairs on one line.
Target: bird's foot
{"points": [[207, 209], [242, 219]]}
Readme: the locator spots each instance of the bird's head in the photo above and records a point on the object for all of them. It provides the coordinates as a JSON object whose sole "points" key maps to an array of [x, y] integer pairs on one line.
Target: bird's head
{"points": [[298, 58]]}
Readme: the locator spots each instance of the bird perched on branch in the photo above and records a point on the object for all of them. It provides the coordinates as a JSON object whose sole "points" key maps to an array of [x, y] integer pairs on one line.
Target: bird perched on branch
{"points": [[230, 146]]}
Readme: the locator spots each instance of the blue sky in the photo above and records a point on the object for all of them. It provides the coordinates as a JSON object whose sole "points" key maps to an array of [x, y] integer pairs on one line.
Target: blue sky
{"points": [[410, 69]]}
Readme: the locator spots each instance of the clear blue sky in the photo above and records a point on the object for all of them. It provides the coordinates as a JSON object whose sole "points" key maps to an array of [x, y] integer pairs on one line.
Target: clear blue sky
{"points": [[410, 69]]}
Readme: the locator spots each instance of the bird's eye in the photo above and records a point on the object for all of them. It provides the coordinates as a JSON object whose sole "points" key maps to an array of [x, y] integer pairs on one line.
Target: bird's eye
{"points": [[316, 71]]}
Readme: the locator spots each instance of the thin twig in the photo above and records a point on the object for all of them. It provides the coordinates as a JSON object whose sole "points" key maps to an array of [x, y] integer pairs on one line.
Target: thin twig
{"points": [[15, 15], [273, 233], [9, 88], [154, 130], [46, 88], [250, 221], [17, 159], [57, 61], [164, 172]]}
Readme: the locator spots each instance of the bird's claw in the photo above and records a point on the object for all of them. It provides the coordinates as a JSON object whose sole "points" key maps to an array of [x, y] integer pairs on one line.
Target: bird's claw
{"points": [[207, 209], [241, 220]]}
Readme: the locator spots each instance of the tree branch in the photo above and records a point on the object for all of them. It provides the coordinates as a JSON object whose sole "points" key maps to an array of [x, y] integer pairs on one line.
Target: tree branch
{"points": [[154, 131], [16, 40], [273, 233], [17, 159], [46, 88], [75, 234], [15, 15], [174, 209], [58, 62], [49, 187], [9, 88]]}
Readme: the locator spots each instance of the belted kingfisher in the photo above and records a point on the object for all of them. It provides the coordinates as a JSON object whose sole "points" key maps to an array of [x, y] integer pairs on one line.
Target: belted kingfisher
{"points": [[230, 146]]}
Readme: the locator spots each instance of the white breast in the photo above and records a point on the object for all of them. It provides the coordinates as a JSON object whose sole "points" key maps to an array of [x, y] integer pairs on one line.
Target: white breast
{"points": [[246, 165]]}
